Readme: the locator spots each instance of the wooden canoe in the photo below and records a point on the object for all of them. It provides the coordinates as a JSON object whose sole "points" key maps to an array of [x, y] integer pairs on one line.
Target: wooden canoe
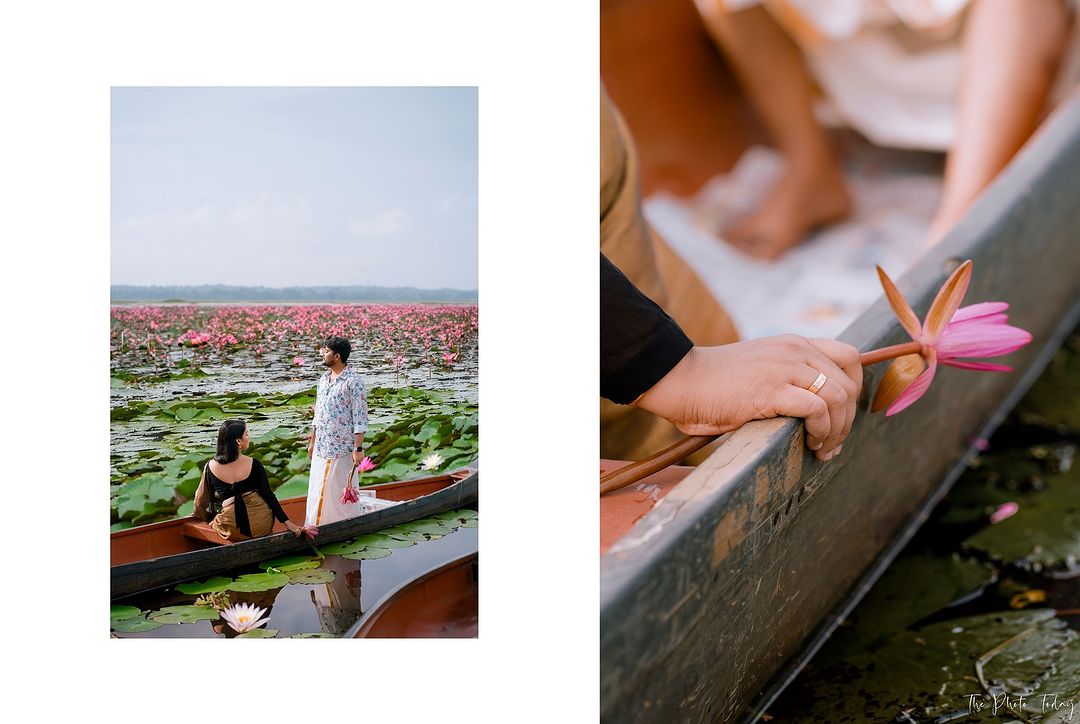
{"points": [[160, 554], [441, 603], [720, 582]]}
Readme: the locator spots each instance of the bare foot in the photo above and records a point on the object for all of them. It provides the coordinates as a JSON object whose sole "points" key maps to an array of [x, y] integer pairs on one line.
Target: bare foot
{"points": [[800, 202]]}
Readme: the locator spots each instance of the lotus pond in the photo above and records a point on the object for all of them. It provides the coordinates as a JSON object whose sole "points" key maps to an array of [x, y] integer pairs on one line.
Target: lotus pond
{"points": [[316, 595], [978, 617], [178, 370]]}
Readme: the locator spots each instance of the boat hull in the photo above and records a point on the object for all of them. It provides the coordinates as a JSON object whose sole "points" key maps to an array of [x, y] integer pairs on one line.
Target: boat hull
{"points": [[157, 555], [441, 603], [715, 597]]}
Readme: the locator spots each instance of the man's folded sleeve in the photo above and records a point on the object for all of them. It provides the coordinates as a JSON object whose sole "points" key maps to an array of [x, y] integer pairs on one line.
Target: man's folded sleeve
{"points": [[639, 342]]}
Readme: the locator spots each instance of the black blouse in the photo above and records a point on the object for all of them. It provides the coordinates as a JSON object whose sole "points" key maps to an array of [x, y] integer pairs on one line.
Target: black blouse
{"points": [[639, 342], [257, 481]]}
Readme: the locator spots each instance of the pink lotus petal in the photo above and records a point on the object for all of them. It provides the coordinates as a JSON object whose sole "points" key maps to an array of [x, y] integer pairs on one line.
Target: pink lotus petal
{"points": [[946, 303], [981, 444], [1005, 510], [978, 340], [310, 531], [980, 366], [917, 388], [974, 311]]}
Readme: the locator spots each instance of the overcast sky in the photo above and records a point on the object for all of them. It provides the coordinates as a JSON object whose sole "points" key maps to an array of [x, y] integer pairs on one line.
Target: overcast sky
{"points": [[295, 186]]}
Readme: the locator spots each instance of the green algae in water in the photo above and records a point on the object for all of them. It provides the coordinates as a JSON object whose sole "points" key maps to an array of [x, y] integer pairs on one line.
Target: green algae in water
{"points": [[914, 587], [932, 672], [1052, 400], [1045, 531]]}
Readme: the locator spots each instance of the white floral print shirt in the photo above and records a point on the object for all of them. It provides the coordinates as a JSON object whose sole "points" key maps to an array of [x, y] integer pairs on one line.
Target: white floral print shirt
{"points": [[340, 413]]}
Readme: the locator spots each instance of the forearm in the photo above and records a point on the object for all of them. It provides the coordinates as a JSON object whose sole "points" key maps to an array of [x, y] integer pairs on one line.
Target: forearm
{"points": [[639, 343], [359, 440]]}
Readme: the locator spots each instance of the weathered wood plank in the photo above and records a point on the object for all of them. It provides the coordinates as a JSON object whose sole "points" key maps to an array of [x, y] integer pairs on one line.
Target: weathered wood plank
{"points": [[144, 575], [732, 573]]}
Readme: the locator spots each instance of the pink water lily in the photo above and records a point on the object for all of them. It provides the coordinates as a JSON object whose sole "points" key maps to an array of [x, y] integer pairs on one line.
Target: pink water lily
{"points": [[349, 495], [948, 334], [365, 465], [309, 532]]}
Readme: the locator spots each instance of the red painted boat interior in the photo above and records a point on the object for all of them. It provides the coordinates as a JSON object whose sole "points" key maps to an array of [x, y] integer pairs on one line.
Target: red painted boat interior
{"points": [[443, 603], [621, 509]]}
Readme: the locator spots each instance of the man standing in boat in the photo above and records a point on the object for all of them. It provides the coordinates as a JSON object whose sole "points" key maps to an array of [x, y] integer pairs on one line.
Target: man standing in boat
{"points": [[337, 432]]}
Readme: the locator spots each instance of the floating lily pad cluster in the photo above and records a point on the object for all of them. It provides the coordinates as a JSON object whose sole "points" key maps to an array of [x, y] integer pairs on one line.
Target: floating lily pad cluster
{"points": [[382, 543], [921, 642], [932, 673], [408, 424], [249, 405]]}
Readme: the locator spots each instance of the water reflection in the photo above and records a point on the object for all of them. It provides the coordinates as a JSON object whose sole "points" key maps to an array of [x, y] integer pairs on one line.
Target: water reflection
{"points": [[337, 603], [326, 608]]}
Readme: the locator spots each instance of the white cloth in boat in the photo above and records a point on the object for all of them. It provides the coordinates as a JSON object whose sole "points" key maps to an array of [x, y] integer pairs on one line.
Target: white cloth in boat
{"points": [[890, 69], [329, 477]]}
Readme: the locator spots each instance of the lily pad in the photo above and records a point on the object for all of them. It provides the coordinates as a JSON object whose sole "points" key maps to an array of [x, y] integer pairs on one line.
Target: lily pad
{"points": [[310, 577], [186, 413], [395, 543], [470, 524], [431, 526], [196, 588], [367, 554], [252, 582], [319, 635], [403, 533], [370, 540], [122, 613], [184, 614], [290, 563], [259, 633], [135, 625]]}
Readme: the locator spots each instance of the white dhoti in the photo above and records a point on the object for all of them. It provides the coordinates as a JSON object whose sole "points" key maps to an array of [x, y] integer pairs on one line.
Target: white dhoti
{"points": [[328, 480]]}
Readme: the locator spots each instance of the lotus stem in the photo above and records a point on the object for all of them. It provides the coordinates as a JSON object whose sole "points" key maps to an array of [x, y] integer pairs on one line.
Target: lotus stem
{"points": [[885, 353], [654, 463]]}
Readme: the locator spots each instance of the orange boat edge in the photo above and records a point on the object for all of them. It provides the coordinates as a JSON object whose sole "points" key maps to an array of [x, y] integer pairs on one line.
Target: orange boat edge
{"points": [[621, 509], [441, 603]]}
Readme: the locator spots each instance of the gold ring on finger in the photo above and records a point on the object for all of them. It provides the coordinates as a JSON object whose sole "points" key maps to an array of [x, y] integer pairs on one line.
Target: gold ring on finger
{"points": [[818, 383]]}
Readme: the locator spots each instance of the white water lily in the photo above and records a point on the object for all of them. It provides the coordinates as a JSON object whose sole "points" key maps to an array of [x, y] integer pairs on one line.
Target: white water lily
{"points": [[244, 617], [431, 462]]}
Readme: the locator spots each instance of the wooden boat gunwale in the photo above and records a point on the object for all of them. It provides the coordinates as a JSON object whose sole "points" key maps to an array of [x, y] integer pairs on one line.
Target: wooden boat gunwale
{"points": [[130, 578], [696, 613], [379, 608]]}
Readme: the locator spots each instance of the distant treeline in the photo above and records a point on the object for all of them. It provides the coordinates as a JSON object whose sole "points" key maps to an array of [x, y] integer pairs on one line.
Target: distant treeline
{"points": [[225, 293]]}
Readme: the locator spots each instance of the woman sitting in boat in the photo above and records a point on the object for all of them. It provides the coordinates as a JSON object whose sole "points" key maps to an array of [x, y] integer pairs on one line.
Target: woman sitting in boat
{"points": [[234, 494]]}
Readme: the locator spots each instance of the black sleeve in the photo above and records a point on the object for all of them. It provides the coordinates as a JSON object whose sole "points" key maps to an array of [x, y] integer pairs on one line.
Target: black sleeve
{"points": [[639, 343], [267, 494]]}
